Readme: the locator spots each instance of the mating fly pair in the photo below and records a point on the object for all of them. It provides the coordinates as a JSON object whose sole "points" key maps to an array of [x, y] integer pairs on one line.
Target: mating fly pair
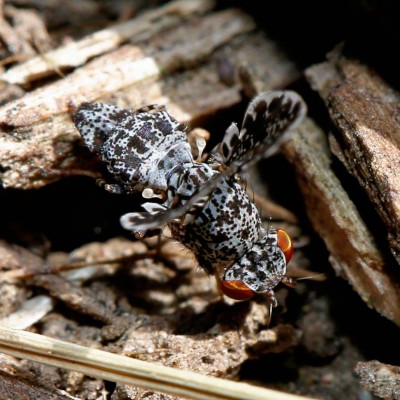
{"points": [[203, 203]]}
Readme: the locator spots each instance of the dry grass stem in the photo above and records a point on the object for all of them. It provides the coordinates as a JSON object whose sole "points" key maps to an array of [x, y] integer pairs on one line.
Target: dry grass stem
{"points": [[125, 370]]}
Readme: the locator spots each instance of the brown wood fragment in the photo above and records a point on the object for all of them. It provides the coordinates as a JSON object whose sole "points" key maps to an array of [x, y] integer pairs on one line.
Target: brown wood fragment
{"points": [[276, 340], [67, 14], [354, 253], [77, 53], [383, 380], [74, 296], [16, 383], [220, 350], [9, 92], [125, 66], [209, 338], [46, 139], [25, 37], [366, 111], [16, 261]]}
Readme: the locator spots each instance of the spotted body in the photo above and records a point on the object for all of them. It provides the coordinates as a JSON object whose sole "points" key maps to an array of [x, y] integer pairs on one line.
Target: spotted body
{"points": [[203, 203]]}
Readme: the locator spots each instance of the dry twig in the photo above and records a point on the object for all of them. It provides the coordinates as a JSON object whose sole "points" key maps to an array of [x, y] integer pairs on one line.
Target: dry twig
{"points": [[128, 371]]}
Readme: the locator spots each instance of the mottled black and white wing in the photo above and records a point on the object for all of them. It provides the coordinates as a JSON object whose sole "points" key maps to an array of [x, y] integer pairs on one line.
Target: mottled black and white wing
{"points": [[268, 121], [144, 221]]}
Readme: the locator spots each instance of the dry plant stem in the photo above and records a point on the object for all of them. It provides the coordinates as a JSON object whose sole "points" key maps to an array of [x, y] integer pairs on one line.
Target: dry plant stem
{"points": [[128, 371], [100, 42], [272, 209], [301, 274], [23, 274]]}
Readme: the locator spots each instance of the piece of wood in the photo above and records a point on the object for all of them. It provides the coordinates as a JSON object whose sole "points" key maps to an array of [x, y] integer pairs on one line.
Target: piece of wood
{"points": [[126, 66], [77, 53], [383, 380], [353, 252], [23, 36], [18, 383], [366, 111], [38, 135]]}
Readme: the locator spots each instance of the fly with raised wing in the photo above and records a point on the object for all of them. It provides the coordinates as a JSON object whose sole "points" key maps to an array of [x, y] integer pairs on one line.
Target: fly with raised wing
{"points": [[202, 202]]}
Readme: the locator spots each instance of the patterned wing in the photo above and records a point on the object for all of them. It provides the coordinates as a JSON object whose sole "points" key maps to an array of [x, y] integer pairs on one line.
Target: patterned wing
{"points": [[144, 221], [269, 120]]}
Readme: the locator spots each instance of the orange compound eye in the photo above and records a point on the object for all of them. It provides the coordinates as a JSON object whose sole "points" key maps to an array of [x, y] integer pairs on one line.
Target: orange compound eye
{"points": [[285, 244], [236, 290]]}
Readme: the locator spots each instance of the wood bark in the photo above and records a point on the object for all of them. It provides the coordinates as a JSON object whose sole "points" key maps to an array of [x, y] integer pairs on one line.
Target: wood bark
{"points": [[366, 112], [38, 135]]}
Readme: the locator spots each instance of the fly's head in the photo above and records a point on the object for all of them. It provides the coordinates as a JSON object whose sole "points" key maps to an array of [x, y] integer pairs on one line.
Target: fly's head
{"points": [[260, 269]]}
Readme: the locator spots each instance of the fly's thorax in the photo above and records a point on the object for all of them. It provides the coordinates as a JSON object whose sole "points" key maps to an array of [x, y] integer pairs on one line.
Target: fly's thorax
{"points": [[224, 228], [184, 179]]}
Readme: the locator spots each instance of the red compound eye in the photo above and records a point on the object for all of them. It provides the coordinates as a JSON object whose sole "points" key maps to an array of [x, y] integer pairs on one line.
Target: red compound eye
{"points": [[285, 244], [236, 290]]}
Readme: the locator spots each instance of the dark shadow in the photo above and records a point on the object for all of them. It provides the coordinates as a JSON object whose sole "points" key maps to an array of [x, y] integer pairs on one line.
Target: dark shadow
{"points": [[66, 214]]}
